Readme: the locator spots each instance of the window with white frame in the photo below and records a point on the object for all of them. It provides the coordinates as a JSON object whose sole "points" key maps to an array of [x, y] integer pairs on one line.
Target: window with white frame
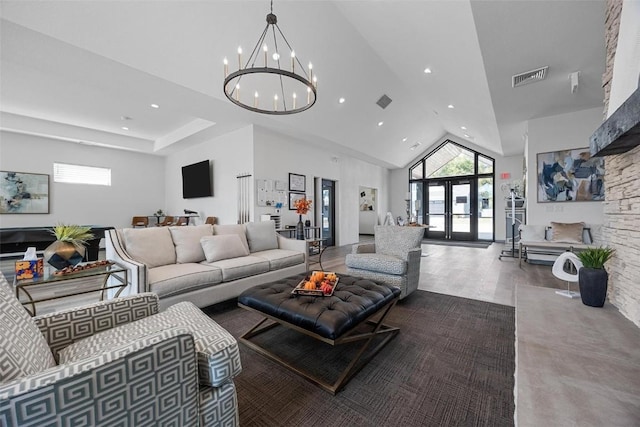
{"points": [[78, 174]]}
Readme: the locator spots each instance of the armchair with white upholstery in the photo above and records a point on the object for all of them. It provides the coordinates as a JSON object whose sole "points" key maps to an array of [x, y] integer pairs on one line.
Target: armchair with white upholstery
{"points": [[116, 362], [393, 258]]}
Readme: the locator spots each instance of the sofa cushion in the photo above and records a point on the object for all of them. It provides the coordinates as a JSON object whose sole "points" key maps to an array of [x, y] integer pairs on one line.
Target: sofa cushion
{"points": [[397, 240], [218, 354], [24, 350], [281, 258], [238, 229], [262, 235], [237, 268], [173, 279], [224, 246], [151, 246], [381, 263], [187, 242], [567, 232]]}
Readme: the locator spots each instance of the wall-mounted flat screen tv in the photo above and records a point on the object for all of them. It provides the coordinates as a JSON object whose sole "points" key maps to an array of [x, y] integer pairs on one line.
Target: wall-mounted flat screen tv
{"points": [[196, 180]]}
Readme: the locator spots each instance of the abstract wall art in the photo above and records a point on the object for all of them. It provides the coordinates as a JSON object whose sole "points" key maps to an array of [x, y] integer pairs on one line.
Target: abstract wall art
{"points": [[24, 193], [570, 176]]}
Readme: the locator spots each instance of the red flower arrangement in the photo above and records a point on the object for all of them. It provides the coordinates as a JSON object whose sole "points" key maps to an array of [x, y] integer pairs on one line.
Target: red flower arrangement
{"points": [[302, 206]]}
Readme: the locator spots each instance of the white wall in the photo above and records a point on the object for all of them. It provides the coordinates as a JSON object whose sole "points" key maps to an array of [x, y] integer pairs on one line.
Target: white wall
{"points": [[277, 155], [564, 131], [513, 165], [230, 154], [137, 182]]}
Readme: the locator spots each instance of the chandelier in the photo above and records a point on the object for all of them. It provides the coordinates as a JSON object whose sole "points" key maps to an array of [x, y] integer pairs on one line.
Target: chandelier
{"points": [[272, 80]]}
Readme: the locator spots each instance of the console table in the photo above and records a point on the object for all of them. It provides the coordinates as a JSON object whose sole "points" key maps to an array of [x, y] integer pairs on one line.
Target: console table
{"points": [[16, 240]]}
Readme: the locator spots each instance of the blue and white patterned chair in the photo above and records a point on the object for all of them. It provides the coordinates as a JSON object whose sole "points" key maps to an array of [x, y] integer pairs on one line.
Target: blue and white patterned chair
{"points": [[116, 362], [393, 258]]}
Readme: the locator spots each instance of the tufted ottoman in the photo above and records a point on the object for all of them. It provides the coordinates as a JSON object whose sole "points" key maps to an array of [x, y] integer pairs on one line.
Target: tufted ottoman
{"points": [[334, 320]]}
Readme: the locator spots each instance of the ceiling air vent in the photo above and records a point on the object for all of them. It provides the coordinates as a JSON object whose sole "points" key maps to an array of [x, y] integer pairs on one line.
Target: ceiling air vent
{"points": [[529, 77], [384, 101]]}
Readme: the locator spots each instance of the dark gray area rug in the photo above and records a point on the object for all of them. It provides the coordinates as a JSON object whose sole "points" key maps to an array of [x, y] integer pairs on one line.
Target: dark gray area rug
{"points": [[451, 365]]}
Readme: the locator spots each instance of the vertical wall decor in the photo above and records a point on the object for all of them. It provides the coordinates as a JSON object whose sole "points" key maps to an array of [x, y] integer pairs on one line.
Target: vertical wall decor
{"points": [[244, 197]]}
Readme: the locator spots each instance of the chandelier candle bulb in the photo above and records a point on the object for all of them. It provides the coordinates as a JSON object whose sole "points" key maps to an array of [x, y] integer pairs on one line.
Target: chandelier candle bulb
{"points": [[239, 57], [315, 82], [255, 99], [226, 67], [275, 102], [310, 70], [265, 49], [294, 99], [293, 61], [237, 91]]}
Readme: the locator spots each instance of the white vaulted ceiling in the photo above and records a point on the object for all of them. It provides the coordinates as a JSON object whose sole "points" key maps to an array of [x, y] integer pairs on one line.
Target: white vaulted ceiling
{"points": [[71, 70]]}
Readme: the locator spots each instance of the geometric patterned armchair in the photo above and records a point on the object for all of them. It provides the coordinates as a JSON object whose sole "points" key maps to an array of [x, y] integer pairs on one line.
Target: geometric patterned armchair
{"points": [[393, 258], [116, 362]]}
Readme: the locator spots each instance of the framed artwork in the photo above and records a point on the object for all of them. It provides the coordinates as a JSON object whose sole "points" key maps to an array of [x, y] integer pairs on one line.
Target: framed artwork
{"points": [[297, 182], [24, 193], [293, 197], [570, 176]]}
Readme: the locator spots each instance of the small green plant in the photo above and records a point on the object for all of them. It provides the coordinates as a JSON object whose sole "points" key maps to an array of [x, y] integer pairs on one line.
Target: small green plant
{"points": [[595, 257], [72, 233]]}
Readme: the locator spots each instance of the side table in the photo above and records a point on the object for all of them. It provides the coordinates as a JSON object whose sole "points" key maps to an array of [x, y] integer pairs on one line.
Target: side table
{"points": [[315, 249], [47, 284]]}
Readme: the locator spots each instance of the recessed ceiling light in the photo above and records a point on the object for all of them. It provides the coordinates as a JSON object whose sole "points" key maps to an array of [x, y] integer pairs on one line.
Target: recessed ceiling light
{"points": [[427, 70], [155, 106], [404, 139], [466, 136], [451, 106], [125, 128], [380, 123], [463, 127], [341, 100]]}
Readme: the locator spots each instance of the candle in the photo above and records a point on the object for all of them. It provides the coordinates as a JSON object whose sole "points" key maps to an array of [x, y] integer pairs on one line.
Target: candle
{"points": [[275, 102], [310, 70], [226, 67], [265, 49], [237, 91], [239, 57], [294, 100], [293, 61], [255, 100], [315, 82]]}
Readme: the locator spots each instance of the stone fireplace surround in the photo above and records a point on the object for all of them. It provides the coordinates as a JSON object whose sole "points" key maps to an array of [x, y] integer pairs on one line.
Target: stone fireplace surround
{"points": [[621, 226]]}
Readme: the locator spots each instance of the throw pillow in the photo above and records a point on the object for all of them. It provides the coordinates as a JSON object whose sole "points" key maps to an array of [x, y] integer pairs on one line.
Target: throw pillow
{"points": [[24, 349], [151, 246], [187, 242], [223, 246], [567, 232], [262, 236], [238, 229], [535, 233]]}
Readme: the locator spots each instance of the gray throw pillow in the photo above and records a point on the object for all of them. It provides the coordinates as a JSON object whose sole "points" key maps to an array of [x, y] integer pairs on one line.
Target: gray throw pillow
{"points": [[186, 239], [262, 236], [238, 229], [223, 246], [151, 246]]}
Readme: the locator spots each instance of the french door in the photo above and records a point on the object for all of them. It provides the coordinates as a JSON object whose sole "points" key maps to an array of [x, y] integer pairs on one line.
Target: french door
{"points": [[449, 209]]}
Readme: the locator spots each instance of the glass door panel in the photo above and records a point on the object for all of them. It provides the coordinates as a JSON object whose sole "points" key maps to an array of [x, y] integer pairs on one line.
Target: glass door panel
{"points": [[461, 210], [436, 213]]}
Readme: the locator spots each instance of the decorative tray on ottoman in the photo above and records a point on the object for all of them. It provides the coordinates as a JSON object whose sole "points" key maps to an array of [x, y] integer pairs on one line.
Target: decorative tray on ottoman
{"points": [[319, 283]]}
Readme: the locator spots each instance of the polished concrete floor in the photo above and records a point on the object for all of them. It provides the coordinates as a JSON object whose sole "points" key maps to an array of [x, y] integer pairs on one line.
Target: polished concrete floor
{"points": [[575, 365]]}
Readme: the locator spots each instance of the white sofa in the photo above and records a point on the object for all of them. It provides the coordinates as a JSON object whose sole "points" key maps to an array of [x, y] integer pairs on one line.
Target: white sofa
{"points": [[542, 244], [204, 264]]}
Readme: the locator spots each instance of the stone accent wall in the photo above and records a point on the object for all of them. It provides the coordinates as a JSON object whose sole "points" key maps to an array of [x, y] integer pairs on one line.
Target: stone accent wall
{"points": [[621, 230], [611, 29], [621, 227]]}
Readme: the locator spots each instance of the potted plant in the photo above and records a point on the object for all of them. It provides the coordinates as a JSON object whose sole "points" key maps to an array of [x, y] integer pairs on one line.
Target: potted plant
{"points": [[592, 277], [69, 247]]}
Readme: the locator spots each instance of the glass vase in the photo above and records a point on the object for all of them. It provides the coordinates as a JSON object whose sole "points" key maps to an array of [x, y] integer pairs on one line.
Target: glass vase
{"points": [[300, 229]]}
